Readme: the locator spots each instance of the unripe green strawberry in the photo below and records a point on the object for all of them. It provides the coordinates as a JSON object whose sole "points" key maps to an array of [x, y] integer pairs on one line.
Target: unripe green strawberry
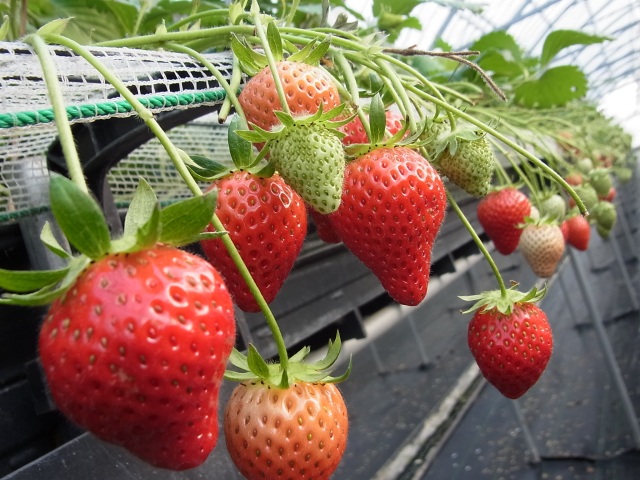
{"points": [[553, 207], [603, 231], [542, 246], [585, 165], [587, 194], [600, 180], [470, 166], [604, 214], [310, 158]]}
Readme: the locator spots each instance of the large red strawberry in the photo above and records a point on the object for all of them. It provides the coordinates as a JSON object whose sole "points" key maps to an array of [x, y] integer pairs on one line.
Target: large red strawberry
{"points": [[138, 333], [267, 221], [578, 232], [306, 88], [393, 204], [296, 432], [511, 347], [135, 352], [500, 213], [542, 245]]}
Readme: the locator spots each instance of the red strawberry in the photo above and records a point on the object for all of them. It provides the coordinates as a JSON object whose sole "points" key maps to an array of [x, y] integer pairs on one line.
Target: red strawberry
{"points": [[354, 131], [393, 204], [298, 432], [135, 352], [324, 229], [610, 196], [578, 232], [500, 213], [564, 228], [306, 87], [267, 221], [512, 349], [542, 246], [574, 179]]}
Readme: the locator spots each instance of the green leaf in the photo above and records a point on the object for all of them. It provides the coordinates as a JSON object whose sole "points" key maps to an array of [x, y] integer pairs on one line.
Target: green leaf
{"points": [[239, 148], [4, 29], [496, 63], [182, 222], [256, 363], [501, 41], [205, 168], [54, 27], [251, 61], [51, 242], [399, 7], [274, 41], [316, 54], [558, 40], [556, 87], [21, 281], [377, 119], [263, 171], [80, 217], [302, 54], [332, 355], [141, 209]]}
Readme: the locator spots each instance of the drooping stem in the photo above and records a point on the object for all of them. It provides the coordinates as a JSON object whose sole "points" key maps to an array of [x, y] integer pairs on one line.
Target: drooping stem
{"points": [[74, 166], [479, 243], [352, 84]]}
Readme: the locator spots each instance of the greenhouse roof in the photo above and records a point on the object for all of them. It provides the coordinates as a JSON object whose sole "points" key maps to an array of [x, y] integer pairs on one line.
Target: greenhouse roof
{"points": [[612, 67]]}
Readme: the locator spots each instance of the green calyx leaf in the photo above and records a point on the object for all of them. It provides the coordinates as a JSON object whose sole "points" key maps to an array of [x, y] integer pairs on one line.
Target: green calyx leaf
{"points": [[142, 223], [80, 217], [252, 367], [30, 280], [251, 61], [240, 149], [502, 301], [313, 52], [51, 242], [182, 222]]}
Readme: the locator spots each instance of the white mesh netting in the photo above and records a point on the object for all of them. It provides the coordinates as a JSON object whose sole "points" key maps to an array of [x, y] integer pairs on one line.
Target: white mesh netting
{"points": [[165, 80]]}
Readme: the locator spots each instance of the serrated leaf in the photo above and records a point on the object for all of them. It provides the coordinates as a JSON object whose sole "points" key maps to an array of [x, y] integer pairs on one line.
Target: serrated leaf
{"points": [[54, 27], [558, 40], [239, 148], [51, 242], [22, 281], [274, 41], [300, 355], [80, 217], [555, 88], [377, 119], [182, 222], [332, 355], [256, 363]]}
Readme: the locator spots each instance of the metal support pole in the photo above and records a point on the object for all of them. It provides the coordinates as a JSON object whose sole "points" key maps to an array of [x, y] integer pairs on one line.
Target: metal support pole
{"points": [[607, 349], [623, 271]]}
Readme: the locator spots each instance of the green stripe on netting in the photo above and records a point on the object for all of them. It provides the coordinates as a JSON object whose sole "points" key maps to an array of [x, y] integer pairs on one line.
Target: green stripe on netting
{"points": [[24, 119]]}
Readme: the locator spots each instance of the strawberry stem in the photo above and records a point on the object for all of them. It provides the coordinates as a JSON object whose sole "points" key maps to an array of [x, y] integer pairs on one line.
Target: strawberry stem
{"points": [[479, 243], [352, 84], [67, 142]]}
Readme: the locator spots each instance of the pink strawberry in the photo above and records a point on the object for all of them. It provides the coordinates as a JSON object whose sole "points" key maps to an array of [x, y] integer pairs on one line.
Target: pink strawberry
{"points": [[578, 232], [393, 204], [354, 131], [542, 246]]}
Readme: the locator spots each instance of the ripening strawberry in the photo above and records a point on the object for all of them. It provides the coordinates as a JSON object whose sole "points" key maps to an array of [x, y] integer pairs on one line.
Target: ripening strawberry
{"points": [[267, 222], [511, 349], [311, 159], [578, 232], [135, 352], [393, 205], [470, 167], [601, 181], [574, 179], [306, 87], [500, 213], [354, 131], [299, 432], [542, 246]]}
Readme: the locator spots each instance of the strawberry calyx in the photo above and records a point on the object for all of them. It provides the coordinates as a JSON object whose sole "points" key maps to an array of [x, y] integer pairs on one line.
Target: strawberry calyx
{"points": [[253, 366], [503, 301], [84, 226]]}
